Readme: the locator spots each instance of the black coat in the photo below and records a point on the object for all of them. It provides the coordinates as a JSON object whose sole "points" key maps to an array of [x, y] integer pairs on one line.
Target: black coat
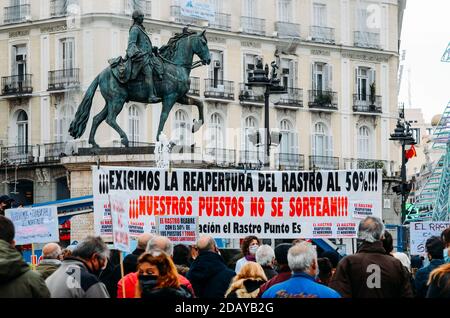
{"points": [[167, 293], [423, 275], [440, 288], [209, 276]]}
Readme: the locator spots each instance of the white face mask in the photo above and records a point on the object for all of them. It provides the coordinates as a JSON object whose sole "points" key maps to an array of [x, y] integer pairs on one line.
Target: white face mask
{"points": [[253, 249]]}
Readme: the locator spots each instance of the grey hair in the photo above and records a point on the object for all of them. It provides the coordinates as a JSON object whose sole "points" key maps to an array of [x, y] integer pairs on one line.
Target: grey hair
{"points": [[89, 246], [53, 255], [154, 246], [301, 256], [265, 255], [371, 229]]}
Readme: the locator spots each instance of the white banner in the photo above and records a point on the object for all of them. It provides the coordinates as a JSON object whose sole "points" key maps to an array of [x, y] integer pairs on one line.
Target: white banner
{"points": [[81, 226], [234, 204], [120, 222], [198, 10], [35, 225], [420, 232]]}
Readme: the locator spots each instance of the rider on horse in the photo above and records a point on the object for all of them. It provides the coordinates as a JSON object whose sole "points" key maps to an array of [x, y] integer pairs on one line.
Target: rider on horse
{"points": [[140, 51]]}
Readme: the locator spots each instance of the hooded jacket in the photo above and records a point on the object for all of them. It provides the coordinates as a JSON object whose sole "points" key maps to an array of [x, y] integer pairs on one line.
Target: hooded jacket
{"points": [[371, 264], [245, 288], [17, 280], [47, 267], [209, 275]]}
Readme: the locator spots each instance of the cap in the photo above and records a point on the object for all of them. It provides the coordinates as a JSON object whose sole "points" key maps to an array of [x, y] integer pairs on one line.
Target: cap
{"points": [[5, 198]]}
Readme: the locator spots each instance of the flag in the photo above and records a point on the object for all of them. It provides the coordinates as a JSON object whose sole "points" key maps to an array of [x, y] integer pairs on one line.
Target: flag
{"points": [[411, 153]]}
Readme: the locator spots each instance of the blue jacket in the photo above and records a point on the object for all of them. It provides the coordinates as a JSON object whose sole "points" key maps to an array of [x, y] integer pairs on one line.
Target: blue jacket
{"points": [[301, 285], [423, 275]]}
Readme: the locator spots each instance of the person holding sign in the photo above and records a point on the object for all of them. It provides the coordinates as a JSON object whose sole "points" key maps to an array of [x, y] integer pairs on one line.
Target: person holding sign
{"points": [[17, 280]]}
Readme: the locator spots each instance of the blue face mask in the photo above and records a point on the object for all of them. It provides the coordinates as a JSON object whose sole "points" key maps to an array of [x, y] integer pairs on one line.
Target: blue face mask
{"points": [[446, 256]]}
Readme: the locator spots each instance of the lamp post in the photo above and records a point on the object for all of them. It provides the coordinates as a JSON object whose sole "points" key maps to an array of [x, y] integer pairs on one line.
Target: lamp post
{"points": [[261, 84], [403, 134]]}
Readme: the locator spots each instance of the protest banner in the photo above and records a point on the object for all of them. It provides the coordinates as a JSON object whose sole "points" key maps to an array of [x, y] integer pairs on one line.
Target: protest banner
{"points": [[120, 222], [35, 225], [234, 204], [179, 229], [81, 226], [421, 231]]}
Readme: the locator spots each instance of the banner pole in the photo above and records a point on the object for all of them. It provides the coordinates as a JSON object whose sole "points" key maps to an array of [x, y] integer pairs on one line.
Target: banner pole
{"points": [[33, 266], [122, 272]]}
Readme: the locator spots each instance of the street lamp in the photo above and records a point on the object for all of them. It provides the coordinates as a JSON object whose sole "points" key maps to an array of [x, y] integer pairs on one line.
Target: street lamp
{"points": [[261, 84], [403, 134]]}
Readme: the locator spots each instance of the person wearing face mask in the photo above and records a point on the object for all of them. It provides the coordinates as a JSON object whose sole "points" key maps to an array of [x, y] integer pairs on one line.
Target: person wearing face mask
{"points": [[249, 247], [302, 259], [446, 239], [158, 278], [77, 277]]}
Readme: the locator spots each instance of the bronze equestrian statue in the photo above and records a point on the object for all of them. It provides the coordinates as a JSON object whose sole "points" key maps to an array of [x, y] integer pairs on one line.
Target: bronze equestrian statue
{"points": [[145, 77]]}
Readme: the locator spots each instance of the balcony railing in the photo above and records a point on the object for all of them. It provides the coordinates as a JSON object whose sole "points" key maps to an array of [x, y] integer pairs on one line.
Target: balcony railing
{"points": [[219, 89], [17, 14], [367, 39], [365, 103], [289, 161], [286, 29], [251, 158], [246, 95], [294, 98], [323, 163], [132, 144], [143, 5], [17, 155], [388, 167], [194, 89], [220, 157], [175, 12], [222, 22], [322, 34], [323, 100], [17, 85], [63, 79], [253, 25]]}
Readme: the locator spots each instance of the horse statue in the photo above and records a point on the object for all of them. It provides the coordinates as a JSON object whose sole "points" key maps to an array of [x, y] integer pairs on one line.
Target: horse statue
{"points": [[176, 59]]}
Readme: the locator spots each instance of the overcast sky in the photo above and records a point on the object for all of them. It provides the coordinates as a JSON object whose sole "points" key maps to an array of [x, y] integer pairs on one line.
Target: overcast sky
{"points": [[426, 34]]}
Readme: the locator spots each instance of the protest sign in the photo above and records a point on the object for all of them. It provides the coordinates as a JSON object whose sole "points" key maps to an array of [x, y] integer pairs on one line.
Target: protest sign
{"points": [[120, 222], [81, 226], [421, 231], [234, 204], [35, 225], [179, 229]]}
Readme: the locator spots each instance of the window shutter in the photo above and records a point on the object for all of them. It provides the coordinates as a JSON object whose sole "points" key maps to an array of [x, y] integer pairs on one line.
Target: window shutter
{"points": [[329, 146], [357, 88], [313, 145], [329, 77], [313, 77]]}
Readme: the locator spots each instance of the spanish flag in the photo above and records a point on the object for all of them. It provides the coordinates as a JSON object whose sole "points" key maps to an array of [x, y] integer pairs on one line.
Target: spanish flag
{"points": [[411, 153]]}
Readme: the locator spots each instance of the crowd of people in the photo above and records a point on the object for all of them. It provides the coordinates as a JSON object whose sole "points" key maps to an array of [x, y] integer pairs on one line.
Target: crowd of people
{"points": [[157, 269]]}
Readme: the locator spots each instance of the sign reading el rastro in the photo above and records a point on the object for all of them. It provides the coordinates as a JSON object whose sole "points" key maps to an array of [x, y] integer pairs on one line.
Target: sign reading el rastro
{"points": [[233, 204], [421, 231]]}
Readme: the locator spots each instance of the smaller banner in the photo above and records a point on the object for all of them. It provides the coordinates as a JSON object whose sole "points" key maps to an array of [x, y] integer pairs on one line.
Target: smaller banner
{"points": [[120, 221], [420, 232], [179, 229], [81, 226], [197, 10]]}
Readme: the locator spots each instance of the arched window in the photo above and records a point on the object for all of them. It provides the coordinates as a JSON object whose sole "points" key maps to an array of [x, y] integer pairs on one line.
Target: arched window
{"points": [[217, 130], [289, 138], [363, 142], [250, 150], [65, 116], [322, 143], [22, 131], [182, 127], [134, 134]]}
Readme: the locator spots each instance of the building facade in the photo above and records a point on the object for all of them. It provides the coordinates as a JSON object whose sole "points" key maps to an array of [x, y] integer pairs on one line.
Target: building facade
{"points": [[338, 59]]}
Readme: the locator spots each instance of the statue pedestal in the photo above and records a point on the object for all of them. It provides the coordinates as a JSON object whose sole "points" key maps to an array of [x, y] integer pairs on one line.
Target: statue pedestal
{"points": [[116, 151]]}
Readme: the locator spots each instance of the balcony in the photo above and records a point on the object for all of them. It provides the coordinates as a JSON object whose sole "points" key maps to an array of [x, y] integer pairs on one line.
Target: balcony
{"points": [[194, 89], [323, 163], [53, 152], [286, 29], [294, 98], [322, 34], [369, 104], [58, 8], [253, 26], [252, 159], [221, 157], [369, 40], [219, 89], [17, 155], [17, 85], [145, 6], [17, 14], [247, 96], [63, 79], [323, 100], [222, 22], [175, 13], [289, 161], [386, 166]]}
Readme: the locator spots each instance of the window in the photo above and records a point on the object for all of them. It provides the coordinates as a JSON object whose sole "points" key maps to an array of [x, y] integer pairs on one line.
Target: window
{"points": [[65, 116], [250, 61], [320, 14], [250, 150], [322, 143], [364, 143], [285, 11], [217, 5], [216, 68], [182, 128], [19, 63], [217, 132], [143, 5], [288, 138], [288, 75], [365, 77], [67, 53], [416, 134], [322, 76], [250, 8], [133, 124], [22, 131]]}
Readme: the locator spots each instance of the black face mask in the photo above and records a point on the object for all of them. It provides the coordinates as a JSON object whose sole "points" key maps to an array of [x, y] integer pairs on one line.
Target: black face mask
{"points": [[148, 283]]}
